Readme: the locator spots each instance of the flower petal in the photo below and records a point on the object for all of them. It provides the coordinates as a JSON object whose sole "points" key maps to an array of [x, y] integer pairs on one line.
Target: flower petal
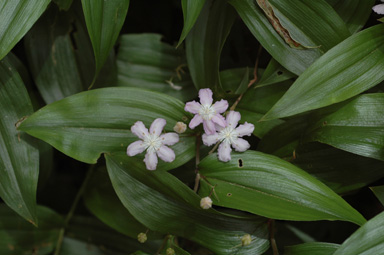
{"points": [[379, 9], [209, 140], [233, 118], [169, 138], [139, 130], [241, 145], [192, 107], [205, 96], [136, 148], [219, 120], [166, 154], [245, 129], [224, 152], [150, 160], [209, 127], [195, 121], [220, 106], [157, 126]]}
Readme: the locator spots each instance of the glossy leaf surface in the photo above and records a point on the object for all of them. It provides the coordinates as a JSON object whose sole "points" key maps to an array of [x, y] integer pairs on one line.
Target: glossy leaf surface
{"points": [[191, 10], [368, 239], [162, 203], [90, 123], [17, 17], [19, 158], [350, 68], [315, 248], [357, 127], [144, 61], [269, 180], [104, 21]]}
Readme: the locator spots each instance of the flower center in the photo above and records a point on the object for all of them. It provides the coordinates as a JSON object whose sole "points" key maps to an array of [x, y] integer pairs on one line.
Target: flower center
{"points": [[228, 135], [207, 112], [152, 142]]}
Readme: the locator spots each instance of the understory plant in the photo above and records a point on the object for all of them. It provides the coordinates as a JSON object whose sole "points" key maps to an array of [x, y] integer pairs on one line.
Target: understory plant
{"points": [[191, 127]]}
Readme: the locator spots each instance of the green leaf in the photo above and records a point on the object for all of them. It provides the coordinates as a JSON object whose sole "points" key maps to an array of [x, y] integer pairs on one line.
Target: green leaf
{"points": [[87, 124], [205, 42], [279, 190], [17, 17], [172, 244], [63, 4], [357, 127], [102, 201], [144, 61], [368, 239], [51, 56], [311, 23], [274, 73], [191, 10], [104, 21], [340, 170], [354, 13], [163, 203], [295, 60], [315, 248], [19, 158], [348, 69], [234, 81], [19, 237], [379, 193]]}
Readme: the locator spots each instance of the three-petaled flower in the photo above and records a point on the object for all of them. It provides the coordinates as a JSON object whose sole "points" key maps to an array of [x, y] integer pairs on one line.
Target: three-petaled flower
{"points": [[379, 8], [206, 112], [154, 142], [230, 136]]}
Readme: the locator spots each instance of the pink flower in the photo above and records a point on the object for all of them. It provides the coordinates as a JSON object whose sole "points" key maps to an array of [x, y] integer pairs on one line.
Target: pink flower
{"points": [[206, 112], [230, 136], [153, 142], [379, 9]]}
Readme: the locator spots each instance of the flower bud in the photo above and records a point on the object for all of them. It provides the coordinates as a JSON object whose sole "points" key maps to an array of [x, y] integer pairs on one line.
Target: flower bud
{"points": [[170, 251], [246, 240], [180, 127], [142, 237], [206, 203]]}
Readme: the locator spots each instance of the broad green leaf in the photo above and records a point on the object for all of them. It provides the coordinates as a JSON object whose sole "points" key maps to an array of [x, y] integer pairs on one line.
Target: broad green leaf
{"points": [[274, 73], [311, 23], [63, 4], [257, 101], [368, 239], [295, 60], [17, 17], [379, 193], [315, 248], [340, 170], [357, 127], [19, 158], [144, 61], [191, 10], [87, 124], [279, 190], [19, 237], [51, 56], [172, 244], [104, 20], [348, 69], [234, 81], [102, 201], [205, 42], [163, 203], [354, 13]]}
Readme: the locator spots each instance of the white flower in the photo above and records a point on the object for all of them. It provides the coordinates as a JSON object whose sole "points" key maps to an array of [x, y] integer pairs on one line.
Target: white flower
{"points": [[206, 112], [379, 9], [230, 136], [206, 203], [180, 127], [153, 142]]}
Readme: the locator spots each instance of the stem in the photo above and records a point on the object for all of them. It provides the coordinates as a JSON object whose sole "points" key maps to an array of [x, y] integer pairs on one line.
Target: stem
{"points": [[197, 161], [251, 82], [72, 209], [272, 237]]}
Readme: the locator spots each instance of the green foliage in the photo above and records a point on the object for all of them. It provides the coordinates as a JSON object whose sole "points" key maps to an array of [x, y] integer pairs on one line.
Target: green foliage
{"points": [[293, 170]]}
